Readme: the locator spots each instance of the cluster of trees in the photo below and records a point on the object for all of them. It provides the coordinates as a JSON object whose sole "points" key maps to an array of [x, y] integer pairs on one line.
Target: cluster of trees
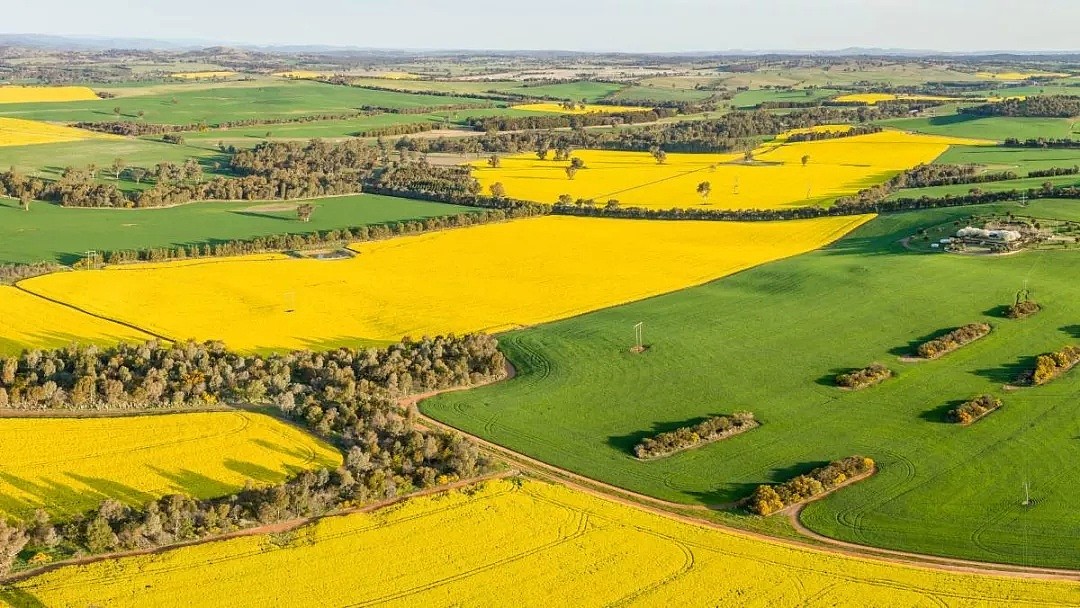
{"points": [[683, 438], [1038, 106], [1022, 306], [1055, 171], [10, 273], [1042, 142], [862, 378], [970, 411], [423, 177], [135, 128], [1051, 365], [820, 135], [952, 340], [408, 128], [574, 121], [768, 499], [347, 395]]}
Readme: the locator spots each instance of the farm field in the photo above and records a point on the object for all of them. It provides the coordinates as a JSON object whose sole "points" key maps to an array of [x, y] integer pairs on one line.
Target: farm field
{"points": [[993, 128], [70, 465], [771, 339], [467, 548], [31, 322], [439, 86], [554, 108], [400, 286], [874, 98], [41, 94], [777, 179], [19, 132], [657, 93], [584, 90], [52, 232], [749, 99], [229, 103]]}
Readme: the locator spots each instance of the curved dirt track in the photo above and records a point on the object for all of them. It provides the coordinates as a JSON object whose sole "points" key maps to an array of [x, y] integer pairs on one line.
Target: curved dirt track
{"points": [[814, 541]]}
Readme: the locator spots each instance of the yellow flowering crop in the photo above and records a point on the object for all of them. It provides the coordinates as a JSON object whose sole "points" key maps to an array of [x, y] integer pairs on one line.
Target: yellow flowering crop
{"points": [[578, 109], [70, 465], [399, 76], [301, 74], [538, 545], [873, 98], [27, 322], [494, 277], [32, 94], [775, 178], [204, 74], [21, 132], [1020, 75]]}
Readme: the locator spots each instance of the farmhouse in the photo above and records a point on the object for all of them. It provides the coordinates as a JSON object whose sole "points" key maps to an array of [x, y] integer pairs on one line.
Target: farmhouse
{"points": [[995, 240]]}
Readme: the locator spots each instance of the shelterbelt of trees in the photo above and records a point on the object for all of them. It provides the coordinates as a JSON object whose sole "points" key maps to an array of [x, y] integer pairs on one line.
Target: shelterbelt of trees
{"points": [[346, 395], [1038, 106]]}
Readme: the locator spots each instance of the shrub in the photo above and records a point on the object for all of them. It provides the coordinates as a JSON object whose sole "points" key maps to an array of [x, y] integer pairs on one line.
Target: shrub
{"points": [[971, 411], [862, 378], [953, 340], [1052, 365], [711, 429], [768, 499], [1022, 309]]}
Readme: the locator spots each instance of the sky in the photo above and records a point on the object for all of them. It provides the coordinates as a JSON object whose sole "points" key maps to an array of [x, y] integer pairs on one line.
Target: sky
{"points": [[584, 25]]}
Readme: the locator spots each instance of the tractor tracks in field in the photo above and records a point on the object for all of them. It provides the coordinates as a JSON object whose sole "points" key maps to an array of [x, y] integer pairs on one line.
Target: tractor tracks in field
{"points": [[690, 513]]}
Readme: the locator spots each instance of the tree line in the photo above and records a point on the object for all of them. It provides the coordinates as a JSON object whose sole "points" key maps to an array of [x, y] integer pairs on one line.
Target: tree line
{"points": [[711, 429], [133, 128], [1037, 106], [953, 340], [768, 499], [347, 395], [855, 130]]}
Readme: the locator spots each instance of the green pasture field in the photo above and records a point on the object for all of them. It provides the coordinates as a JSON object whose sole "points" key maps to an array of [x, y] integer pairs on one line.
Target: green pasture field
{"points": [[770, 340], [282, 99], [577, 91], [749, 99], [995, 128], [658, 93], [51, 232], [439, 86], [993, 159]]}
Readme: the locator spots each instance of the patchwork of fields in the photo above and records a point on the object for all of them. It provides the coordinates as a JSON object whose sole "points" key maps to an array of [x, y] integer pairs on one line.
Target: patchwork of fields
{"points": [[770, 340], [399, 287], [777, 178], [69, 465], [469, 549]]}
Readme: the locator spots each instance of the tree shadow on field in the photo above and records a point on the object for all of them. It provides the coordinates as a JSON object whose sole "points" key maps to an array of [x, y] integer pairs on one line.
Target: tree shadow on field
{"points": [[252, 471], [998, 312], [829, 379], [270, 216], [940, 414], [195, 484], [19, 598], [1072, 330], [782, 474], [626, 443], [1009, 372], [110, 488], [910, 350], [725, 495]]}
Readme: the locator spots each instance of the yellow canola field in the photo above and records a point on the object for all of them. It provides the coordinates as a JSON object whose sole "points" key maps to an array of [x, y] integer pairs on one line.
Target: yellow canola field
{"points": [[33, 94], [538, 545], [70, 465], [21, 132], [494, 277], [28, 322], [301, 74], [873, 98], [776, 179], [1020, 75], [579, 109], [206, 74]]}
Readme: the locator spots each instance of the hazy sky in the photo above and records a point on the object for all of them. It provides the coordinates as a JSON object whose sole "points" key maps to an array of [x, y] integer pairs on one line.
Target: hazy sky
{"points": [[626, 25]]}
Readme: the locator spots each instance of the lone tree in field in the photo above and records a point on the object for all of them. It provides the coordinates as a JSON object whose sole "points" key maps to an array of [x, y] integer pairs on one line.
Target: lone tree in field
{"points": [[566, 199], [703, 190], [577, 163], [658, 154], [303, 212], [542, 150], [24, 201], [138, 174], [498, 190], [805, 159], [117, 167], [571, 171], [494, 161], [116, 111]]}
